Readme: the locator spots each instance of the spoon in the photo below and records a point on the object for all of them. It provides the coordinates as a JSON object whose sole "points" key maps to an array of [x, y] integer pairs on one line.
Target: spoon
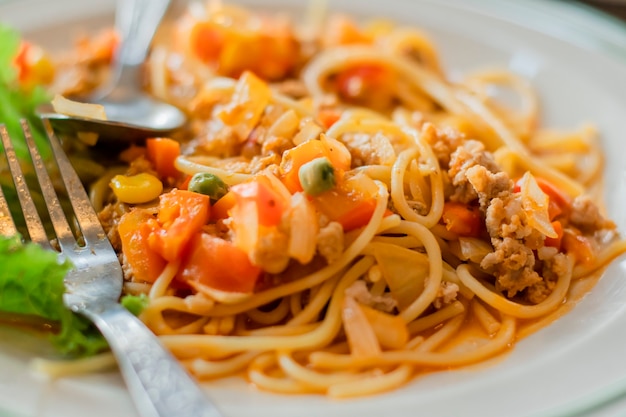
{"points": [[131, 114]]}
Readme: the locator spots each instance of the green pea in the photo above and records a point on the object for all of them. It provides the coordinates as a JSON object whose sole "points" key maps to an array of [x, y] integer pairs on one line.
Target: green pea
{"points": [[208, 184], [317, 176]]}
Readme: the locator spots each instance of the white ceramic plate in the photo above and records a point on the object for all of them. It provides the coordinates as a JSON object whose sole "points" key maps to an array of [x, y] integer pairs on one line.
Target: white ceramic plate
{"points": [[577, 60]]}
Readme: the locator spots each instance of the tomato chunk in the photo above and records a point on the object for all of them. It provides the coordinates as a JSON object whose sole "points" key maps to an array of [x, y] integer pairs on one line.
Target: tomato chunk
{"points": [[135, 228], [462, 219], [266, 204], [207, 40], [162, 152], [366, 84], [351, 204], [219, 264], [221, 208], [579, 246], [294, 158], [181, 215], [555, 242]]}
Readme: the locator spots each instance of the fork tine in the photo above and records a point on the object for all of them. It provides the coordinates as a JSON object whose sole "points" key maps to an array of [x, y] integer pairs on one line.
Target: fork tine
{"points": [[34, 225], [88, 221], [62, 229], [7, 225]]}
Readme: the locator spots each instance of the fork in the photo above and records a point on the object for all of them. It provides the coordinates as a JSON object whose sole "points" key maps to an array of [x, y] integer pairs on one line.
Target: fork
{"points": [[157, 383]]}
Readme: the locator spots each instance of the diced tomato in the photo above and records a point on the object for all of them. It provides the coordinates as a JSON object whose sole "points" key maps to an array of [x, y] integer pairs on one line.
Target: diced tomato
{"points": [[270, 52], [268, 205], [220, 209], [555, 242], [162, 152], [181, 215], [579, 246], [366, 84], [218, 264], [207, 40], [135, 228], [34, 67], [328, 117], [462, 219], [307, 151], [295, 157], [358, 215], [352, 203]]}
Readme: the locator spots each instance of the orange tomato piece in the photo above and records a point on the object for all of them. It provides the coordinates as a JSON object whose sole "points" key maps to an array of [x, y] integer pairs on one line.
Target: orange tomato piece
{"points": [[259, 195], [358, 215], [220, 209], [207, 41], [297, 156], [462, 219], [555, 242], [579, 246], [366, 84], [305, 152], [135, 229], [218, 264], [162, 152], [181, 215], [34, 67], [328, 117]]}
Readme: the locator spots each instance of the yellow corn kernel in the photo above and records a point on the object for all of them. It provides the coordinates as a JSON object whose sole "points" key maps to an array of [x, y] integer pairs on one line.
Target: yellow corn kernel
{"points": [[136, 189]]}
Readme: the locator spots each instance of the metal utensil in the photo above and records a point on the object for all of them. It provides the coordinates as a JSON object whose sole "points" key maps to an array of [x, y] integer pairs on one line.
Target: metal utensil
{"points": [[159, 386], [131, 113]]}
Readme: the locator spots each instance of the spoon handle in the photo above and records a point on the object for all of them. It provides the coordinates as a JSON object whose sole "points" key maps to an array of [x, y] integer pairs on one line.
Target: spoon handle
{"points": [[137, 21]]}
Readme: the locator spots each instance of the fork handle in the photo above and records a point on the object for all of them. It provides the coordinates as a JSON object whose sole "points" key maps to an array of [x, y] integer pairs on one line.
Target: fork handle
{"points": [[158, 384]]}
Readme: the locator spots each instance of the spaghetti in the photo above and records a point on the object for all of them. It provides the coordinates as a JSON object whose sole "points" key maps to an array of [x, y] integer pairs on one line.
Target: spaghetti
{"points": [[341, 217]]}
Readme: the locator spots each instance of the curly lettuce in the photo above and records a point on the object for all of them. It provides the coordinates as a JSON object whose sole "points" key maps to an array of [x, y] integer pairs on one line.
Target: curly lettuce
{"points": [[31, 284]]}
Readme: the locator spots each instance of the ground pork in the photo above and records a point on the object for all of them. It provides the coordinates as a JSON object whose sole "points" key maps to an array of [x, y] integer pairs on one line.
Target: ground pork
{"points": [[110, 218], [470, 154], [330, 241], [552, 270], [512, 263], [447, 293], [443, 141], [475, 175], [271, 252], [216, 139], [586, 215], [366, 149], [141, 165], [488, 184], [358, 290]]}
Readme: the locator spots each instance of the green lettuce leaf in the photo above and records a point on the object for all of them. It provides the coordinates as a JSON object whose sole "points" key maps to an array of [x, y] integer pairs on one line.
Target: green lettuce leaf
{"points": [[31, 283], [135, 303]]}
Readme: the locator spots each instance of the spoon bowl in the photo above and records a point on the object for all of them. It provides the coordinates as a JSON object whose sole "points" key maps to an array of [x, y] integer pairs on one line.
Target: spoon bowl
{"points": [[132, 115], [161, 121]]}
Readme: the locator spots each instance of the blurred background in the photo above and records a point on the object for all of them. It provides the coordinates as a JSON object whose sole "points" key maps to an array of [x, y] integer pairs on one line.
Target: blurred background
{"points": [[614, 7]]}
